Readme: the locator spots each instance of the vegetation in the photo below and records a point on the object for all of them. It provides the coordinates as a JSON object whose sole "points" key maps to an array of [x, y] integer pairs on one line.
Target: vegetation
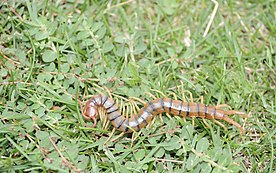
{"points": [[55, 54]]}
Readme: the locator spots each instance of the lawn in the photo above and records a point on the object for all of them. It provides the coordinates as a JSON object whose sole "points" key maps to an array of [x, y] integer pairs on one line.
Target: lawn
{"points": [[54, 55]]}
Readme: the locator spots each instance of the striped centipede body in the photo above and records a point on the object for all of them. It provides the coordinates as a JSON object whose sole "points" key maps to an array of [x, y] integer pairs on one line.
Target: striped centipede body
{"points": [[157, 106]]}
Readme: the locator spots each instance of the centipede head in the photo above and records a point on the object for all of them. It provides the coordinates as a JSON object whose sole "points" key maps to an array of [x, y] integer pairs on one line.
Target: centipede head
{"points": [[90, 111]]}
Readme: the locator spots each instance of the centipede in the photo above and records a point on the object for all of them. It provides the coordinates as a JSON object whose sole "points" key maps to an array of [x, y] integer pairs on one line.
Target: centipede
{"points": [[152, 108]]}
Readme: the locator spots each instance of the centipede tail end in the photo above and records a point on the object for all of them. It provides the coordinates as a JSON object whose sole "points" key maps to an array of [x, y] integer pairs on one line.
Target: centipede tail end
{"points": [[231, 121]]}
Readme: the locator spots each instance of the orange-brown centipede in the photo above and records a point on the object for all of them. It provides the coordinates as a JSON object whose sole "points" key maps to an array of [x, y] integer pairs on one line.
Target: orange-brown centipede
{"points": [[174, 107]]}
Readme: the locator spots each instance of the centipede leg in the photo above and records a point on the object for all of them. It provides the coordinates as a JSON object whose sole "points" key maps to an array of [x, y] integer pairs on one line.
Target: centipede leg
{"points": [[231, 121], [151, 95], [231, 112], [160, 116], [206, 123], [193, 121], [152, 121], [103, 119], [111, 134], [219, 123], [117, 137], [108, 91], [160, 92], [203, 119], [201, 100], [134, 137], [223, 106], [191, 95], [137, 99]]}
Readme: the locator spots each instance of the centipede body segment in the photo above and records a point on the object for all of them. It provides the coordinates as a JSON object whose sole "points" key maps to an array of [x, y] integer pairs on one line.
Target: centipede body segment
{"points": [[157, 106]]}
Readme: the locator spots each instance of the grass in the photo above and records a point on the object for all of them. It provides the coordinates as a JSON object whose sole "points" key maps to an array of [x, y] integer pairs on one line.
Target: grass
{"points": [[55, 55]]}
